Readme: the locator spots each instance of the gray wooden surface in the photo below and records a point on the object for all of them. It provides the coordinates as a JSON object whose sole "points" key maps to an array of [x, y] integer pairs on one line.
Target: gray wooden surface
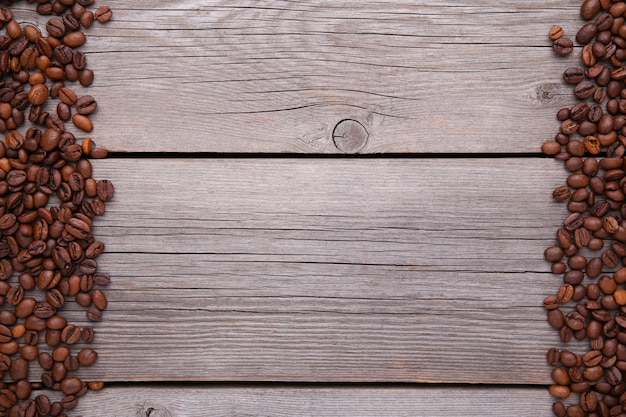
{"points": [[316, 401], [328, 270], [276, 76], [305, 275]]}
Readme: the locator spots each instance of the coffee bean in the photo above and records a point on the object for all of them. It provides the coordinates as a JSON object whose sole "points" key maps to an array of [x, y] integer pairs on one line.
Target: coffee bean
{"points": [[86, 105], [589, 9], [55, 27], [574, 320], [553, 254], [585, 89], [50, 244], [563, 46], [7, 398], [550, 302], [86, 77], [103, 14], [556, 318], [71, 385], [74, 39], [574, 75], [586, 33], [87, 356], [19, 369], [559, 391], [93, 314], [555, 32], [82, 122]]}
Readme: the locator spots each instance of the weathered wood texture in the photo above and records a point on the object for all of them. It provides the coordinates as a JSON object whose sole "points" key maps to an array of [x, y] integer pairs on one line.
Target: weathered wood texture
{"points": [[401, 270], [326, 270], [277, 76], [214, 401]]}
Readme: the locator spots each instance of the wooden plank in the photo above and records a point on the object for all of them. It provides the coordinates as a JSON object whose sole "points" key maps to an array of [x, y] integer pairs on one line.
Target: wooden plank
{"points": [[317, 401], [277, 76], [328, 270]]}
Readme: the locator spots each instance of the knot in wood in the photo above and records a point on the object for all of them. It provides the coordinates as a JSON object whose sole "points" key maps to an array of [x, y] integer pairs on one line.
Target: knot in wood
{"points": [[154, 412], [350, 136]]}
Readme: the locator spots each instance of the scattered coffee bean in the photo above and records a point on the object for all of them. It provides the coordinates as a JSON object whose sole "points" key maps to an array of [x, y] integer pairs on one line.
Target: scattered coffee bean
{"points": [[589, 255], [48, 199]]}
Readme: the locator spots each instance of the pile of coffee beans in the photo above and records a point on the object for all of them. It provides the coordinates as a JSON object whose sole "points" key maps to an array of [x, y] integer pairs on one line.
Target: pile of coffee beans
{"points": [[589, 253], [50, 287]]}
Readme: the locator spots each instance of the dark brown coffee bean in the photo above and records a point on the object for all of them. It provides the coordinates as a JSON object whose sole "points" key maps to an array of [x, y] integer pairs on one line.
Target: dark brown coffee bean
{"points": [[19, 369], [87, 334], [55, 27], [561, 193], [553, 254], [553, 356], [69, 402], [58, 372], [574, 320], [586, 33], [585, 89], [574, 75], [556, 318], [550, 302], [589, 9], [613, 376], [100, 301], [70, 334], [101, 278], [71, 385], [86, 77], [618, 73], [563, 46], [560, 376], [5, 15], [43, 310], [86, 105], [43, 404], [7, 398], [106, 190], [610, 258]]}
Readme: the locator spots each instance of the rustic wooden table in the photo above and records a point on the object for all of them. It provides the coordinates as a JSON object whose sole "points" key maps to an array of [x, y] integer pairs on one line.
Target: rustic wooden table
{"points": [[265, 263]]}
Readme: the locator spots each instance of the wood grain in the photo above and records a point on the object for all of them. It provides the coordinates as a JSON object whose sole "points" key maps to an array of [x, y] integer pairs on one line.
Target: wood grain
{"points": [[214, 401], [401, 270], [326, 270], [277, 76]]}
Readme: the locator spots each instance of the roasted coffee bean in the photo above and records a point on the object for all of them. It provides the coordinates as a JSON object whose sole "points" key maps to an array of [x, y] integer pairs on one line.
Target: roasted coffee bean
{"points": [[55, 27], [555, 32], [19, 369], [93, 314], [574, 75], [86, 105], [103, 14], [87, 356], [74, 39], [563, 46], [586, 33], [50, 244], [556, 318], [586, 89], [559, 391], [589, 9], [82, 122]]}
